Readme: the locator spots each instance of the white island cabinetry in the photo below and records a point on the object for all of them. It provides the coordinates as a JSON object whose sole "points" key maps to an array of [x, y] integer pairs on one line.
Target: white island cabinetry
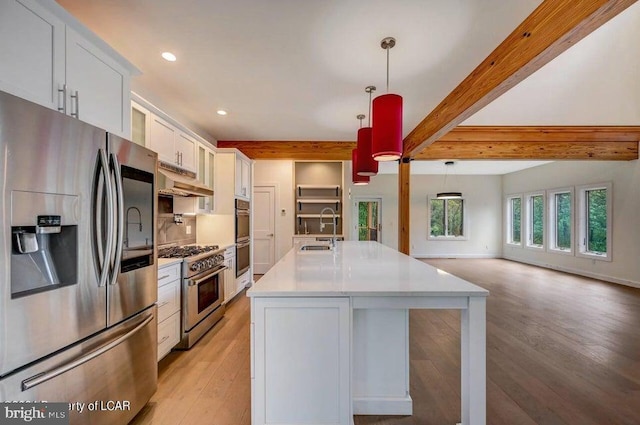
{"points": [[51, 59], [330, 335]]}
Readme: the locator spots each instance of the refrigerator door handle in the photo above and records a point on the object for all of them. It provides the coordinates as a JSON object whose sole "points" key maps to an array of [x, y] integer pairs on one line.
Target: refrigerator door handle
{"points": [[120, 217], [104, 273], [46, 376]]}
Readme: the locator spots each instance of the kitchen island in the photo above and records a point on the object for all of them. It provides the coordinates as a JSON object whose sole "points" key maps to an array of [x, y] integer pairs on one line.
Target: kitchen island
{"points": [[330, 335]]}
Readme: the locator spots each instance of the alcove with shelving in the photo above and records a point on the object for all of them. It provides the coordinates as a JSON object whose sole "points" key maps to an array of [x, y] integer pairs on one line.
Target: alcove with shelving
{"points": [[318, 185]]}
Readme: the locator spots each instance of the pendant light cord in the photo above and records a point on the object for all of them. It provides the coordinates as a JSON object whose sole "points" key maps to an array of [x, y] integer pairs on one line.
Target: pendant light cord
{"points": [[387, 49], [370, 92]]}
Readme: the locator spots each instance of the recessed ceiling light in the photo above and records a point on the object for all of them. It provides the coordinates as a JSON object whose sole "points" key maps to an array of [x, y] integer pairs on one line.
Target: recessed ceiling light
{"points": [[221, 112], [169, 56]]}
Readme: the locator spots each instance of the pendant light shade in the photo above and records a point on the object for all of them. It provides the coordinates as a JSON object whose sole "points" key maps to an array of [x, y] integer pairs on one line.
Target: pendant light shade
{"points": [[448, 194], [387, 127], [367, 166], [387, 119], [355, 178]]}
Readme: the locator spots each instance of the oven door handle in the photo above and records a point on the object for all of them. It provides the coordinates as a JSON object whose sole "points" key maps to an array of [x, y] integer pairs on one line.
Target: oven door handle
{"points": [[242, 212], [243, 244], [195, 282]]}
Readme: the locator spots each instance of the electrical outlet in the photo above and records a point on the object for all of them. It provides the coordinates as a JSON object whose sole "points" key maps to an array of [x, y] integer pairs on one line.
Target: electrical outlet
{"points": [[188, 230]]}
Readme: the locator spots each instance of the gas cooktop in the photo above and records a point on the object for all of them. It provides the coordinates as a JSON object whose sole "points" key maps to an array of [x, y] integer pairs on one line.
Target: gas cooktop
{"points": [[185, 251]]}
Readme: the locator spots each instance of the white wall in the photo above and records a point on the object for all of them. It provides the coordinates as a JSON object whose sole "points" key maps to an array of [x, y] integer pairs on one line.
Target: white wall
{"points": [[280, 174], [483, 198], [625, 176]]}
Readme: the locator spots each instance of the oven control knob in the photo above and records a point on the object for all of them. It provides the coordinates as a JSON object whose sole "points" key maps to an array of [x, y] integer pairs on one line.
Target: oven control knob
{"points": [[195, 267], [219, 258]]}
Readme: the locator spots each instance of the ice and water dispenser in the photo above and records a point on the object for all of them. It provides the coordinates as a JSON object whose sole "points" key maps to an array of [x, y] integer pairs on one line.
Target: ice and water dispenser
{"points": [[44, 233]]}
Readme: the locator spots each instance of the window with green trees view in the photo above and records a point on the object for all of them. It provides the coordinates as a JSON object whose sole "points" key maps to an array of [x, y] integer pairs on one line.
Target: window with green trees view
{"points": [[561, 220], [515, 223], [536, 220], [597, 221], [594, 203], [446, 217]]}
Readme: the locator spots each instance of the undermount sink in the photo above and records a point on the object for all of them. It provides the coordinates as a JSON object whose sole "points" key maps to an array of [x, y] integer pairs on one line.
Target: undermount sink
{"points": [[315, 248]]}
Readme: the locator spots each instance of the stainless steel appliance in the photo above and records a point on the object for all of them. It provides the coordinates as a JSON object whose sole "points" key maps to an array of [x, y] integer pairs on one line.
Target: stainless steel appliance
{"points": [[176, 181], [77, 304], [202, 289], [243, 237]]}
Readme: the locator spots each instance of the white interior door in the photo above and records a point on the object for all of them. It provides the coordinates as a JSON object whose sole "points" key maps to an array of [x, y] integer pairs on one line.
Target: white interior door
{"points": [[264, 246], [366, 219]]}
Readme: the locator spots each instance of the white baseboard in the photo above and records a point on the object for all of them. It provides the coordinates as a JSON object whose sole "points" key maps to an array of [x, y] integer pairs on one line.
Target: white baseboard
{"points": [[383, 405], [426, 256], [578, 272]]}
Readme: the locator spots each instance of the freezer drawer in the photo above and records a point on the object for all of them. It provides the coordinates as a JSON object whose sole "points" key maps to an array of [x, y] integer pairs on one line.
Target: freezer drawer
{"points": [[115, 370]]}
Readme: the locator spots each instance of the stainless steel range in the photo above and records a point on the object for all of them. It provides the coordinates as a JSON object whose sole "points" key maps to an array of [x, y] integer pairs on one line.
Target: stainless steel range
{"points": [[202, 289]]}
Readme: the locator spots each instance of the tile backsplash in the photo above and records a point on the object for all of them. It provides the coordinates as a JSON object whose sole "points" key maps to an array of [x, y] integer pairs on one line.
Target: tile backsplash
{"points": [[181, 234]]}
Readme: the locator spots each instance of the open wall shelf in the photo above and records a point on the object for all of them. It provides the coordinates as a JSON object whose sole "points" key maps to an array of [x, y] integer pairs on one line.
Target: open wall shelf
{"points": [[318, 185]]}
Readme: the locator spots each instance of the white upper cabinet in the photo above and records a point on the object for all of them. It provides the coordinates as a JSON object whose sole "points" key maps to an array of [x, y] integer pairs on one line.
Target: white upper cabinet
{"points": [[243, 178], [140, 124], [186, 148], [161, 140], [206, 176], [172, 145], [46, 60], [97, 86], [32, 43]]}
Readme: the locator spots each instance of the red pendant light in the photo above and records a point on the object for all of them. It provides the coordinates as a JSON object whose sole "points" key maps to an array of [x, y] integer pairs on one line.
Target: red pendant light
{"points": [[367, 166], [355, 178], [387, 119]]}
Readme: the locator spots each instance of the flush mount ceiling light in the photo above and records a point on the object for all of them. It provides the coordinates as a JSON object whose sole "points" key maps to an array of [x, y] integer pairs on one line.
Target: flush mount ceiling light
{"points": [[367, 166], [169, 56], [355, 178], [387, 119], [221, 112], [444, 194]]}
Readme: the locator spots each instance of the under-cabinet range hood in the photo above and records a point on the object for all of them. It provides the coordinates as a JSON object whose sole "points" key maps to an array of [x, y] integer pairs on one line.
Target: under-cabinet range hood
{"points": [[174, 181]]}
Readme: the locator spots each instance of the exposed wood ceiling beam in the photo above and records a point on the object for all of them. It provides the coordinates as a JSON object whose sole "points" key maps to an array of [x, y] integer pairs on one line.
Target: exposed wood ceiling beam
{"points": [[550, 30], [477, 142]]}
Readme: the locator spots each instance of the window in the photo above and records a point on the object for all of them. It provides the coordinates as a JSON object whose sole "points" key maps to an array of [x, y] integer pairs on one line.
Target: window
{"points": [[561, 220], [535, 220], [446, 219], [514, 220], [594, 203]]}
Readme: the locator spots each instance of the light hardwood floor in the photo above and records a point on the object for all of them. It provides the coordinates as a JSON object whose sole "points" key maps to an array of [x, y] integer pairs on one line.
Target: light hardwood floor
{"points": [[561, 350]]}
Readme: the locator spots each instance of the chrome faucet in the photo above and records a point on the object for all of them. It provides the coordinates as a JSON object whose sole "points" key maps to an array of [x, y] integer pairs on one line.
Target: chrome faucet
{"points": [[333, 223], [126, 226]]}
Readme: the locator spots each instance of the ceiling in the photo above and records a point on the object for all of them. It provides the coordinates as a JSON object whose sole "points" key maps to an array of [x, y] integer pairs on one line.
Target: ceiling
{"points": [[296, 69], [292, 69]]}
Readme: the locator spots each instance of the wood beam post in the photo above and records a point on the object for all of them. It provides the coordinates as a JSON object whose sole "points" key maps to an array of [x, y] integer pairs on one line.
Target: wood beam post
{"points": [[551, 29], [404, 204]]}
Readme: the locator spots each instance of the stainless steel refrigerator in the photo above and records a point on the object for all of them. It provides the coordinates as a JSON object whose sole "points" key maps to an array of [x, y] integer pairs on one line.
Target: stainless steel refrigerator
{"points": [[78, 279]]}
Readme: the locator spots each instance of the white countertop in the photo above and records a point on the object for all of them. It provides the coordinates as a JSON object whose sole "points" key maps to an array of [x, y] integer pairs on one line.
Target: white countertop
{"points": [[168, 261], [358, 268]]}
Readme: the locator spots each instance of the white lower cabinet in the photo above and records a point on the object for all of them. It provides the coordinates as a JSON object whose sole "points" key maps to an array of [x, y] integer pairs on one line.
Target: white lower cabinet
{"points": [[300, 361], [230, 290], [169, 287], [243, 281]]}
